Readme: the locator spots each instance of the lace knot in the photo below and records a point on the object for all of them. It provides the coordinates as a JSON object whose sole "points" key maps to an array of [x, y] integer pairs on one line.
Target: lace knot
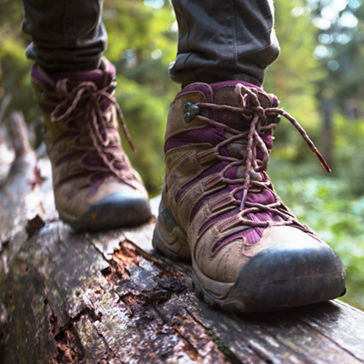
{"points": [[94, 103]]}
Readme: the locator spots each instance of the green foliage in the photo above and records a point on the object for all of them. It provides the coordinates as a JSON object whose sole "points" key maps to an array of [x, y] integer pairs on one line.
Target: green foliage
{"points": [[340, 50], [295, 70], [349, 154], [14, 68], [146, 114], [142, 44], [292, 77]]}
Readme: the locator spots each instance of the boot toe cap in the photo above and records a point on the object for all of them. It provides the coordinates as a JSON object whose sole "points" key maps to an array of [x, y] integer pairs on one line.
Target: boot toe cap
{"points": [[288, 274], [113, 211]]}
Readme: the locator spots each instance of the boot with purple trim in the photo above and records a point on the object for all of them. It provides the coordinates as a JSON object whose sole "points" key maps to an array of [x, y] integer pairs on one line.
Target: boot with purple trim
{"points": [[95, 187], [219, 209]]}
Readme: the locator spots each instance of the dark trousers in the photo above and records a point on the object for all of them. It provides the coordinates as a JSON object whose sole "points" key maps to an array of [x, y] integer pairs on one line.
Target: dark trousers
{"points": [[217, 41]]}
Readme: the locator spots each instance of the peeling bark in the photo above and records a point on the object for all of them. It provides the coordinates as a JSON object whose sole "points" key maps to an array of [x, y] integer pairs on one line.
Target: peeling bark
{"points": [[69, 297]]}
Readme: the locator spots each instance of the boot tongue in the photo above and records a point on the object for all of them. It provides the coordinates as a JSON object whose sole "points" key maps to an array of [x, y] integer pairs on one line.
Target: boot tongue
{"points": [[101, 77], [95, 76], [224, 94]]}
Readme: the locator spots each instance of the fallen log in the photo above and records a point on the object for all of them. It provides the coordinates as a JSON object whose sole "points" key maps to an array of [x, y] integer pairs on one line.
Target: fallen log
{"points": [[68, 297]]}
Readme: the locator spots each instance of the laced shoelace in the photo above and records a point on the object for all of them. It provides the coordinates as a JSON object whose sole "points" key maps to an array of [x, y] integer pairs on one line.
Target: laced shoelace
{"points": [[259, 118], [96, 121]]}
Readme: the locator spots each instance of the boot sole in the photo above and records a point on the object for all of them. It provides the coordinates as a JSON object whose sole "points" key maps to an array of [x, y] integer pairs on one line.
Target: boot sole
{"points": [[305, 275], [110, 213], [169, 238]]}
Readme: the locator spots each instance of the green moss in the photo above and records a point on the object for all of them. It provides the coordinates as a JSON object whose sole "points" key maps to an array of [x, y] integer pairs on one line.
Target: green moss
{"points": [[219, 343]]}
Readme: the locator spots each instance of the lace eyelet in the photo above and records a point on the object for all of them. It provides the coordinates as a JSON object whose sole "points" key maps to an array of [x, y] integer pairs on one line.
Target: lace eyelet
{"points": [[190, 111], [276, 119]]}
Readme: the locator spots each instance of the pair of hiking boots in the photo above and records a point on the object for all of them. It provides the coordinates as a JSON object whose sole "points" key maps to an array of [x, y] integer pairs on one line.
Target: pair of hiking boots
{"points": [[218, 208]]}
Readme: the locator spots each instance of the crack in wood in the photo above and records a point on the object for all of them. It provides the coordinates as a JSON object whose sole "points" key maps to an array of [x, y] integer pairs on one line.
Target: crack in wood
{"points": [[139, 293], [66, 339]]}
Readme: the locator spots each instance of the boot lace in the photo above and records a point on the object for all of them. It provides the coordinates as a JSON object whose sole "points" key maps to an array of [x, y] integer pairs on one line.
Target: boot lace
{"points": [[262, 123], [95, 101]]}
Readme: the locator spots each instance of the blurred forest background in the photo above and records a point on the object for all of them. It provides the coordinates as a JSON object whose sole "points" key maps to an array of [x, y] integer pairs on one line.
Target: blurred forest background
{"points": [[319, 79]]}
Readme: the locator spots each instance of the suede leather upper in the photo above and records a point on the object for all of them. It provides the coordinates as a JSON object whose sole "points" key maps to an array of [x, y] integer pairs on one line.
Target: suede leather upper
{"points": [[83, 142], [202, 189]]}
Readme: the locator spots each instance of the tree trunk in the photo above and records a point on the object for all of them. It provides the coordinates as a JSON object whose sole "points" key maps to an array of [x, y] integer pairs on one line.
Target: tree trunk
{"points": [[69, 297]]}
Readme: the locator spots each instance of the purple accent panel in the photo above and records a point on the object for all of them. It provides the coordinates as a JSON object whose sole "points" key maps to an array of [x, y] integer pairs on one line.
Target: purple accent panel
{"points": [[204, 88], [95, 186], [268, 140], [204, 199], [253, 235], [97, 180], [120, 165], [214, 169], [203, 135], [237, 195], [264, 216], [95, 76], [217, 85], [224, 151], [105, 104], [265, 197], [93, 161], [38, 76], [109, 67], [109, 156], [228, 240], [275, 101], [232, 173], [218, 218]]}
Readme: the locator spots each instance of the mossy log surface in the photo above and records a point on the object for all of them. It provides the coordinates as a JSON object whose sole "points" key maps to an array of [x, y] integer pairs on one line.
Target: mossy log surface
{"points": [[69, 297]]}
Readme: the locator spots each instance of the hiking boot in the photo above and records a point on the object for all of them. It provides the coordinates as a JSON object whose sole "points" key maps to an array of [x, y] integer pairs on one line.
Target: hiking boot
{"points": [[95, 186], [219, 209]]}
